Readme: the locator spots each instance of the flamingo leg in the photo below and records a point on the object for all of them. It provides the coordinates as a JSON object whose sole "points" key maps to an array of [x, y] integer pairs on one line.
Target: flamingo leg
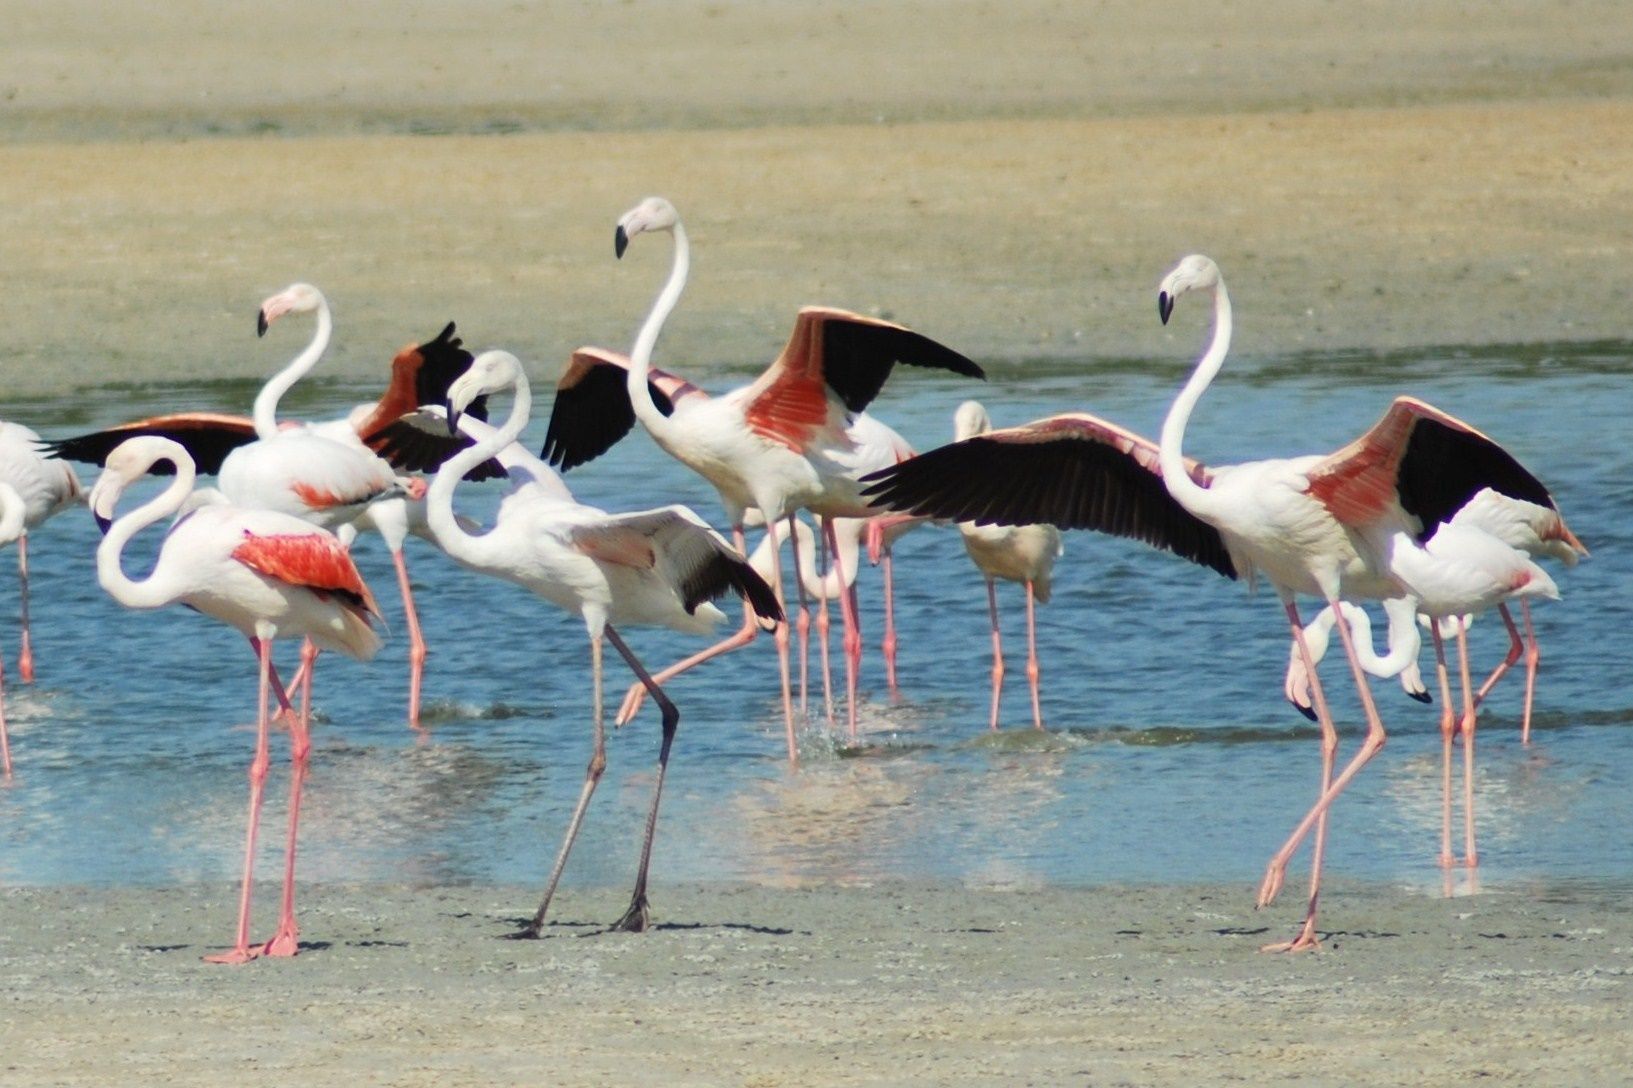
{"points": [[25, 655], [1533, 654], [780, 636], [1448, 727], [5, 741], [416, 641], [241, 951], [997, 652], [285, 708], [1471, 857], [1033, 672], [890, 645], [638, 917], [853, 628], [592, 776], [824, 625], [804, 630], [1374, 740], [1516, 648], [744, 635], [286, 940]]}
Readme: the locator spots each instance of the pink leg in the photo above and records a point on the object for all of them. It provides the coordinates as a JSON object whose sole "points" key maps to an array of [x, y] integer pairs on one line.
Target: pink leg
{"points": [[241, 951], [1516, 647], [1471, 857], [742, 637], [802, 627], [853, 627], [889, 645], [997, 652], [1448, 727], [1369, 747], [25, 656], [1533, 654], [824, 625], [5, 741], [286, 941], [1033, 672], [416, 642]]}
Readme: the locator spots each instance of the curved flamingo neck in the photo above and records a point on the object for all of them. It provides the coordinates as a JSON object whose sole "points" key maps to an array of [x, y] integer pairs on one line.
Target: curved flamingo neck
{"points": [[1186, 491], [266, 401], [640, 358], [452, 537], [110, 553], [13, 512]]}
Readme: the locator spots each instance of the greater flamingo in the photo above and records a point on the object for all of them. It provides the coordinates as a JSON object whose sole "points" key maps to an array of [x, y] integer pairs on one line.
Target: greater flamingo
{"points": [[1310, 525], [658, 567], [303, 472], [779, 443], [266, 574], [12, 514], [1400, 661], [46, 488], [1015, 553]]}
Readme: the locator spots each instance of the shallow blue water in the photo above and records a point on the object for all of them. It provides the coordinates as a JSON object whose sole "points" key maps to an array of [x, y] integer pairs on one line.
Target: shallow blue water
{"points": [[1170, 755]]}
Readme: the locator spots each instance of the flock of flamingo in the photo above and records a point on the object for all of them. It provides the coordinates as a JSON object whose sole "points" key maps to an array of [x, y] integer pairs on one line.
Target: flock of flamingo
{"points": [[1422, 513]]}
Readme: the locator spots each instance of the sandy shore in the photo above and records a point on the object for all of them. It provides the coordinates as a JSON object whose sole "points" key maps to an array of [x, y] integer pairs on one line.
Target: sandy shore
{"points": [[895, 984], [1013, 182]]}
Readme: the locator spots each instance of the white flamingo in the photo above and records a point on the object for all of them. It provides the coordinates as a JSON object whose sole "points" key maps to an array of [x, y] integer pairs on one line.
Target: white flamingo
{"points": [[268, 575], [46, 488], [657, 567]]}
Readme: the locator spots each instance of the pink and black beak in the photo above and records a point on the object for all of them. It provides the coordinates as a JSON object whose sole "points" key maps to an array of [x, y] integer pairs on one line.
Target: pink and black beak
{"points": [[261, 323], [1165, 306], [620, 241]]}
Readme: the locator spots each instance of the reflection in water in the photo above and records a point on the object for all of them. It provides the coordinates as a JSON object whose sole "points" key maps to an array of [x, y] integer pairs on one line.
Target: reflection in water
{"points": [[1171, 755]]}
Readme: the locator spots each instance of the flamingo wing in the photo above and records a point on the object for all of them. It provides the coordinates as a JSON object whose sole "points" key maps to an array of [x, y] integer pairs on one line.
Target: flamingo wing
{"points": [[686, 552], [592, 412], [420, 442], [838, 351], [208, 436], [314, 561], [420, 374], [1075, 471], [1429, 461]]}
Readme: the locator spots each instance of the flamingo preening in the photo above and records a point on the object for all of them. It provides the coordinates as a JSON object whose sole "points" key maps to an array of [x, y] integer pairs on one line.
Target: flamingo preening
{"points": [[45, 488], [268, 575], [659, 567], [340, 474], [1314, 525], [779, 443]]}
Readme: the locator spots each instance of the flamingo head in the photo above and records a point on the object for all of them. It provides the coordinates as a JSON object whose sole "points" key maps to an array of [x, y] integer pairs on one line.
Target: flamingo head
{"points": [[1194, 273], [489, 372], [970, 420], [128, 461], [297, 298], [653, 213]]}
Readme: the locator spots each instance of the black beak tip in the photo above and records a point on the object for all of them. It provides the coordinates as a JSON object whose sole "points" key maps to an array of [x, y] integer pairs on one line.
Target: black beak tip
{"points": [[453, 422], [102, 523], [1308, 712], [1165, 306], [620, 241], [260, 323], [1422, 696]]}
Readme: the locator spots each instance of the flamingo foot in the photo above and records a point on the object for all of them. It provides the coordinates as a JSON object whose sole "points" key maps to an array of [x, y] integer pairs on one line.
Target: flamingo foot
{"points": [[631, 706], [1274, 875], [286, 942], [637, 919], [234, 956], [1304, 942]]}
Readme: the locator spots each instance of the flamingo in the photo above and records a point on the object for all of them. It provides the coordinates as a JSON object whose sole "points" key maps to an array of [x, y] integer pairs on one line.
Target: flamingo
{"points": [[340, 474], [1310, 525], [1401, 661], [265, 573], [13, 513], [46, 488], [1015, 553], [779, 443], [659, 567]]}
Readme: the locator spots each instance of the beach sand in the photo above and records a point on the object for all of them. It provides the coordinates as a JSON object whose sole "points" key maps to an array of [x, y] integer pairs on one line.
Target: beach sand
{"points": [[1010, 178], [890, 984]]}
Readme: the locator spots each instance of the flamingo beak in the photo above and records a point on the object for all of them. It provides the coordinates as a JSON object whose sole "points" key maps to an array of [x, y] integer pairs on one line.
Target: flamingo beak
{"points": [[1304, 710], [102, 522], [453, 419], [620, 241], [1165, 306], [1421, 696], [261, 323]]}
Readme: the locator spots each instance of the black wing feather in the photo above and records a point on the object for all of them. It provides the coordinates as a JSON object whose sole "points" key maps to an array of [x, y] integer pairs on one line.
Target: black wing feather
{"points": [[857, 357], [208, 446], [592, 416], [413, 449], [1443, 468]]}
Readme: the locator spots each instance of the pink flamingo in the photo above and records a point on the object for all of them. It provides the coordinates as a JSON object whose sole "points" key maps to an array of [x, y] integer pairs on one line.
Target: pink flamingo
{"points": [[1309, 525], [266, 574], [340, 474], [659, 567], [779, 444], [13, 512], [46, 488]]}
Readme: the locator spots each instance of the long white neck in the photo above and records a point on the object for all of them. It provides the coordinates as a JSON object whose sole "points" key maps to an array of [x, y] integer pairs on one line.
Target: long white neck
{"points": [[13, 511], [1186, 491], [450, 536], [822, 585], [640, 359], [110, 553], [266, 401]]}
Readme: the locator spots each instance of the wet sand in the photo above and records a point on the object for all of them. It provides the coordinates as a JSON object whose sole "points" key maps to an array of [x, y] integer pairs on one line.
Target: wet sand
{"points": [[890, 984], [1012, 179]]}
